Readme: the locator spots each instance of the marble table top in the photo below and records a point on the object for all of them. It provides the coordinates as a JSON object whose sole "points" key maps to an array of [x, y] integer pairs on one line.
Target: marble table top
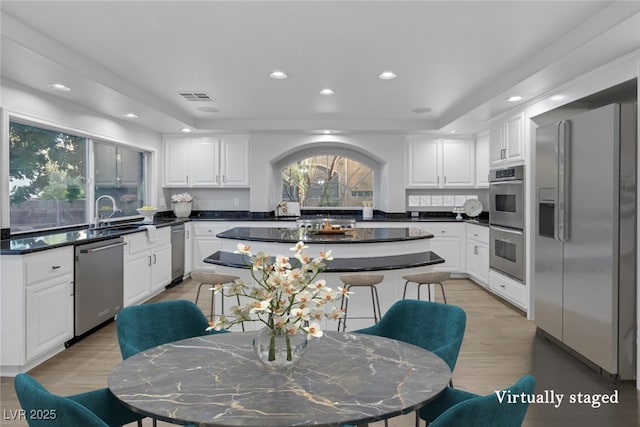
{"points": [[216, 380]]}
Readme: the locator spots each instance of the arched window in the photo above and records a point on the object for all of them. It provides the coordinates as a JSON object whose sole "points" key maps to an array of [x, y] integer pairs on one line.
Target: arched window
{"points": [[327, 181]]}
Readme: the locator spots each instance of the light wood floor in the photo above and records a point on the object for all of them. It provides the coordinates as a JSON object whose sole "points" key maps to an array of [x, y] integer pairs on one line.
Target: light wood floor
{"points": [[499, 347]]}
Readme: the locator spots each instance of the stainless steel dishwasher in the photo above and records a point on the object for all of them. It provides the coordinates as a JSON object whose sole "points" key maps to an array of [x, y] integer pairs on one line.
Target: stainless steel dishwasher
{"points": [[177, 254], [98, 283]]}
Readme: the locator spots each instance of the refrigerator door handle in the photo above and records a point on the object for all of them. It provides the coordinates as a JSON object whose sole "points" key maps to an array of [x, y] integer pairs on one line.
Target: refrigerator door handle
{"points": [[564, 156]]}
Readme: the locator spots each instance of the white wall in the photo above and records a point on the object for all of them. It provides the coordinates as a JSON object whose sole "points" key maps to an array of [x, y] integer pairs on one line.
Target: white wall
{"points": [[48, 109], [268, 149]]}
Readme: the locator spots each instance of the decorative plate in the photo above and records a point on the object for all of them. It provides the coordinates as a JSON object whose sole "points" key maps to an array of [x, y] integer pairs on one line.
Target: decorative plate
{"points": [[472, 207]]}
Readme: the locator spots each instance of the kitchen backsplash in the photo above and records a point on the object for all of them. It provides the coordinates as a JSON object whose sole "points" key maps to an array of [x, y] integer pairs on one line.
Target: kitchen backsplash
{"points": [[219, 199], [443, 200]]}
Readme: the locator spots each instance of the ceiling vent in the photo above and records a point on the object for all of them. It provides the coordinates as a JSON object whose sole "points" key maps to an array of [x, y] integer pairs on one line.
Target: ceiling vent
{"points": [[197, 96]]}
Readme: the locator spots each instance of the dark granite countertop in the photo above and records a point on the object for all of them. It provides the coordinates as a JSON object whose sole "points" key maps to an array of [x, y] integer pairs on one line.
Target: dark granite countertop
{"points": [[43, 240], [345, 265], [355, 235], [35, 242]]}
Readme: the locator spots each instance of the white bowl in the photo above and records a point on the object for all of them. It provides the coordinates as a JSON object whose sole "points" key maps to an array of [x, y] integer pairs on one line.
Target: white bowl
{"points": [[147, 212]]}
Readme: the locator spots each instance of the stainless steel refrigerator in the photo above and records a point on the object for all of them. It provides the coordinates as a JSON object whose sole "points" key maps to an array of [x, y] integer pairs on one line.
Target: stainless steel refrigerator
{"points": [[585, 246]]}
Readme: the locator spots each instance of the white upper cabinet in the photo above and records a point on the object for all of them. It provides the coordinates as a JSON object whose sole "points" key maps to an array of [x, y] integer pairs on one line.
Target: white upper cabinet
{"points": [[458, 163], [423, 163], [482, 160], [206, 162], [440, 163], [234, 166], [507, 141]]}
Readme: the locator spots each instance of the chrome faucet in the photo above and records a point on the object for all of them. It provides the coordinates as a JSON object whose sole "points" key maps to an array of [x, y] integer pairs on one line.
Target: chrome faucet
{"points": [[114, 209]]}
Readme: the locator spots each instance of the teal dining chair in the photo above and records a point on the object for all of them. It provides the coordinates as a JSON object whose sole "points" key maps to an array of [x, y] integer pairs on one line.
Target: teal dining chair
{"points": [[141, 327], [97, 408], [438, 328], [455, 407]]}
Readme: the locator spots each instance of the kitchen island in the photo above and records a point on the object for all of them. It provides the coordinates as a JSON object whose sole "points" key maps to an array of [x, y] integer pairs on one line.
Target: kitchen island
{"points": [[392, 252]]}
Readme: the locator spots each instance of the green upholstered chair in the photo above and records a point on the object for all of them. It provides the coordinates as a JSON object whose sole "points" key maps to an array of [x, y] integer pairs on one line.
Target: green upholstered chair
{"points": [[141, 327], [433, 326], [455, 407], [97, 408]]}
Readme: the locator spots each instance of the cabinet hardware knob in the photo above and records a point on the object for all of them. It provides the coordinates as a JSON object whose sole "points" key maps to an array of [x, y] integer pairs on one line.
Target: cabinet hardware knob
{"points": [[154, 258], [149, 261], [55, 267]]}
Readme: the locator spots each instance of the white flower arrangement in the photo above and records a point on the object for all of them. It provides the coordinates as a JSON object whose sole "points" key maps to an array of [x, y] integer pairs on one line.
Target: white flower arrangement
{"points": [[283, 298], [181, 197]]}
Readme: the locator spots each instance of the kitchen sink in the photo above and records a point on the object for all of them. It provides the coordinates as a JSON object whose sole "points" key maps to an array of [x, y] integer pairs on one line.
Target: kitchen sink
{"points": [[113, 229]]}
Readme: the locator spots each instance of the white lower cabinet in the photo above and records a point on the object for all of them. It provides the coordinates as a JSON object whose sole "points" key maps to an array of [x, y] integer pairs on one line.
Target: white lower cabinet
{"points": [[449, 243], [36, 307], [49, 315], [508, 289], [205, 241], [147, 265], [478, 253]]}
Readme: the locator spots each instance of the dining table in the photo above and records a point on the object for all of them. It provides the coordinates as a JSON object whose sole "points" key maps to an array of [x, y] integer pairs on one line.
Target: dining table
{"points": [[217, 380]]}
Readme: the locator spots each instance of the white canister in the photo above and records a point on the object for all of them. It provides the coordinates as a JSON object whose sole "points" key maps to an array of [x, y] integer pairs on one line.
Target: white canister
{"points": [[367, 212]]}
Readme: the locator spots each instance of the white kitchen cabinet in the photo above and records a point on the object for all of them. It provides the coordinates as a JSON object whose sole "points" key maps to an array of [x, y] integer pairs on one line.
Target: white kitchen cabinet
{"points": [[482, 160], [449, 242], [478, 253], [147, 265], [49, 300], [206, 161], [234, 163], [188, 247], [458, 163], [423, 163], [205, 241], [440, 163], [36, 307], [508, 289], [507, 141]]}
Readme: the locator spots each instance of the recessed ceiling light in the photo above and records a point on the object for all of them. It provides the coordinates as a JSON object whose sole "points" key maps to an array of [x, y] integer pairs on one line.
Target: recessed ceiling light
{"points": [[452, 131], [327, 131], [185, 130], [514, 98], [131, 115], [278, 75], [557, 97], [327, 91], [59, 86], [387, 75], [421, 110]]}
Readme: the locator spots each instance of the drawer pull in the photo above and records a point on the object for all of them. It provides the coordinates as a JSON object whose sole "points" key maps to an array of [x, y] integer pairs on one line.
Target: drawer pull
{"points": [[55, 267]]}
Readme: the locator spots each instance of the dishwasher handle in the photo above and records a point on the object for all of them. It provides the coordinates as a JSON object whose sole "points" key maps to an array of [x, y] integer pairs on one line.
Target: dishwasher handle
{"points": [[102, 248]]}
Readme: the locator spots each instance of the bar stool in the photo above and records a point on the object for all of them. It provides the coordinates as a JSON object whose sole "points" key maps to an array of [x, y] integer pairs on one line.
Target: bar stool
{"points": [[361, 280], [207, 278], [430, 278]]}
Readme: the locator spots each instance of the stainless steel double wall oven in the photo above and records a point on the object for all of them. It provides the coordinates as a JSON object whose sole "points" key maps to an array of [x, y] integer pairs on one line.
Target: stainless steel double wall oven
{"points": [[506, 217]]}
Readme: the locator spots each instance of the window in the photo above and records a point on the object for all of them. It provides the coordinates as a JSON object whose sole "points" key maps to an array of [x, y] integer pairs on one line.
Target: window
{"points": [[119, 173], [327, 181], [48, 178]]}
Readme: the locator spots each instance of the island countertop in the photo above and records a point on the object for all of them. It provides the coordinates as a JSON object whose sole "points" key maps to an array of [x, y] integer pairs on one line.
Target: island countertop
{"points": [[354, 235]]}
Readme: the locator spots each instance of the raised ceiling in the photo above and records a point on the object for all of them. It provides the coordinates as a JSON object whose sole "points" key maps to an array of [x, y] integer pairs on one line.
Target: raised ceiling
{"points": [[459, 60]]}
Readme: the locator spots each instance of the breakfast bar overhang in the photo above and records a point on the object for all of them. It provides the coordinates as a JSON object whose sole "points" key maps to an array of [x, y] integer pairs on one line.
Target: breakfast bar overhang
{"points": [[393, 252]]}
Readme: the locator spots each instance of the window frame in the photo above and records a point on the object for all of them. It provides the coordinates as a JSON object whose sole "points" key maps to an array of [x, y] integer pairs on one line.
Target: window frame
{"points": [[331, 150], [149, 157]]}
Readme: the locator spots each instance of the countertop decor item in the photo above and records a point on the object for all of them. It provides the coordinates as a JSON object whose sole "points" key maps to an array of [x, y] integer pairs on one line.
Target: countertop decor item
{"points": [[472, 207], [288, 297], [147, 212], [182, 204]]}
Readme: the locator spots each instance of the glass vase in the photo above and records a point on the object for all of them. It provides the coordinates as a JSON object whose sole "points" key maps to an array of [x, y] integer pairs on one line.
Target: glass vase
{"points": [[182, 209], [277, 350]]}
